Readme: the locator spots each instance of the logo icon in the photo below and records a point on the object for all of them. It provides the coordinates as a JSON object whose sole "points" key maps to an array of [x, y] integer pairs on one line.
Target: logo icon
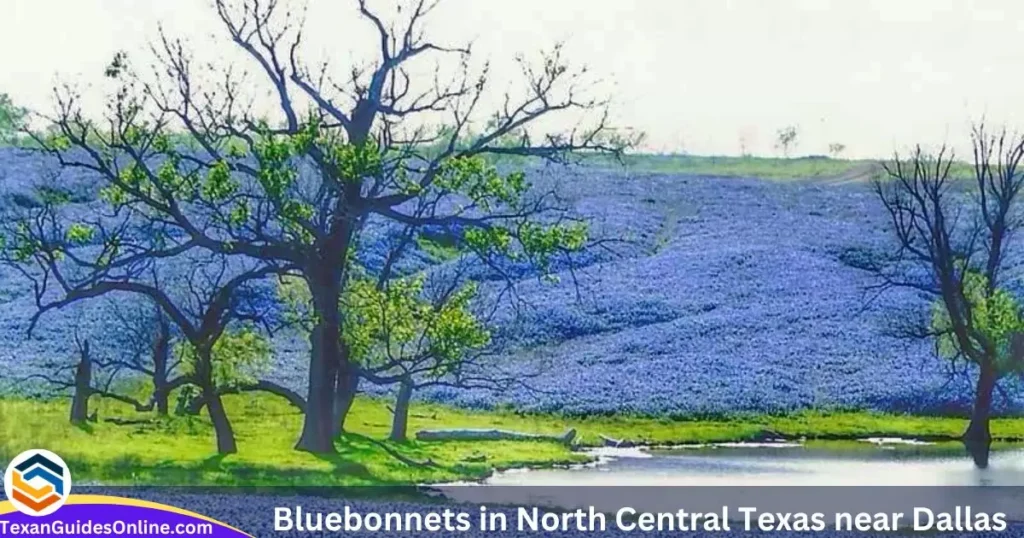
{"points": [[37, 482]]}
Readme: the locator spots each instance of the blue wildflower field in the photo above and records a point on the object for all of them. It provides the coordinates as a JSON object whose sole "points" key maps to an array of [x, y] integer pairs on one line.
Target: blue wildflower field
{"points": [[716, 296]]}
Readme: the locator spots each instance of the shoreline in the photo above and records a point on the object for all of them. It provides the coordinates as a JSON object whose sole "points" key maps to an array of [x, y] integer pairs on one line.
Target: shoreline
{"points": [[125, 447]]}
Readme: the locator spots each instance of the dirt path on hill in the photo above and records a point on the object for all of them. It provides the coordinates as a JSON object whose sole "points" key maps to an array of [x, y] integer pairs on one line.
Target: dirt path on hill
{"points": [[859, 174]]}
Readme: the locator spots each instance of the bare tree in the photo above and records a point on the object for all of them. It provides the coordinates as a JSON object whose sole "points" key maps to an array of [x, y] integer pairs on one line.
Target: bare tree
{"points": [[953, 236], [744, 146], [148, 337], [785, 139], [11, 119], [91, 374], [836, 149]]}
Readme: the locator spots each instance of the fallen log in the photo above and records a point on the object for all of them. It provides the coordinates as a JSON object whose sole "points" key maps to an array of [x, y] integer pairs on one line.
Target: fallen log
{"points": [[616, 443], [493, 435]]}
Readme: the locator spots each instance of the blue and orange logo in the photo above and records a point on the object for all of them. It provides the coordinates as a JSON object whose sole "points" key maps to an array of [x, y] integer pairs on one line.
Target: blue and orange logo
{"points": [[37, 482]]}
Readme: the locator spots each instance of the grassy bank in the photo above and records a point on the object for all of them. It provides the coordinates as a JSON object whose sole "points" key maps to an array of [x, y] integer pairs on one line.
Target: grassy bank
{"points": [[126, 447], [770, 168], [759, 167]]}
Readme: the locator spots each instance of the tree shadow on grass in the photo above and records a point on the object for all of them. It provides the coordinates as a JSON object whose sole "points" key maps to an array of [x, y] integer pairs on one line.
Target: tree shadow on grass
{"points": [[134, 466], [135, 452], [365, 448], [214, 462], [221, 470], [420, 462], [85, 427], [214, 471]]}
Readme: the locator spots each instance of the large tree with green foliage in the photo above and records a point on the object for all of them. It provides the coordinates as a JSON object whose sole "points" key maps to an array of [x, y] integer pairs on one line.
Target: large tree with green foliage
{"points": [[415, 331], [953, 237], [344, 144]]}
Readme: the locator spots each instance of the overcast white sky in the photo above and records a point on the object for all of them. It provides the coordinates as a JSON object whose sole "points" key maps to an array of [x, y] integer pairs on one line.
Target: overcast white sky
{"points": [[695, 75]]}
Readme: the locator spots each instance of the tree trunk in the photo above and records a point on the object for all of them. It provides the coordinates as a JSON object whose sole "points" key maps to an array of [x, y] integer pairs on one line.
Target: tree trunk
{"points": [[978, 438], [83, 387], [345, 394], [161, 353], [222, 429], [318, 426], [196, 405], [221, 425], [160, 397], [400, 423]]}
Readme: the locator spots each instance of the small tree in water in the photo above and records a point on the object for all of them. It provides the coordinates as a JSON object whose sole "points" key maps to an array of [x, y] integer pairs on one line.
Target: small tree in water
{"points": [[997, 325], [952, 242]]}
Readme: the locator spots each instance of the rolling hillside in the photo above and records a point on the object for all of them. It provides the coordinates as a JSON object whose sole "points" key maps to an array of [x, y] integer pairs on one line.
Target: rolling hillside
{"points": [[720, 295]]}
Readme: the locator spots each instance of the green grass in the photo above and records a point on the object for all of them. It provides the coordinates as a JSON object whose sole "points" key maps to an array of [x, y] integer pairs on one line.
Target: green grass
{"points": [[143, 449], [669, 431], [754, 167], [770, 168]]}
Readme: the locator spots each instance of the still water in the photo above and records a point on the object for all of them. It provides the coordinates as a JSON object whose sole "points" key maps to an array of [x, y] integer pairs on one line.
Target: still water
{"points": [[874, 462]]}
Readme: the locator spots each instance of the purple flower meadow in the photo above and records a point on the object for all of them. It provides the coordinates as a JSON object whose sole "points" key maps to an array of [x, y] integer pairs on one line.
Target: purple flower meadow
{"points": [[714, 296]]}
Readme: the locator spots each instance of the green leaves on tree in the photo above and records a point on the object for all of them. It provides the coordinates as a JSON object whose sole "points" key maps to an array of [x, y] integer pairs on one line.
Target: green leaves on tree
{"points": [[398, 323], [481, 182], [22, 245], [355, 162], [995, 316], [79, 234], [238, 357], [537, 243], [276, 173], [219, 184]]}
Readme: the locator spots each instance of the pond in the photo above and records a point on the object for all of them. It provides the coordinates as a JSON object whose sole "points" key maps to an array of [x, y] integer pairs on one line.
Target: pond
{"points": [[719, 469], [872, 462]]}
